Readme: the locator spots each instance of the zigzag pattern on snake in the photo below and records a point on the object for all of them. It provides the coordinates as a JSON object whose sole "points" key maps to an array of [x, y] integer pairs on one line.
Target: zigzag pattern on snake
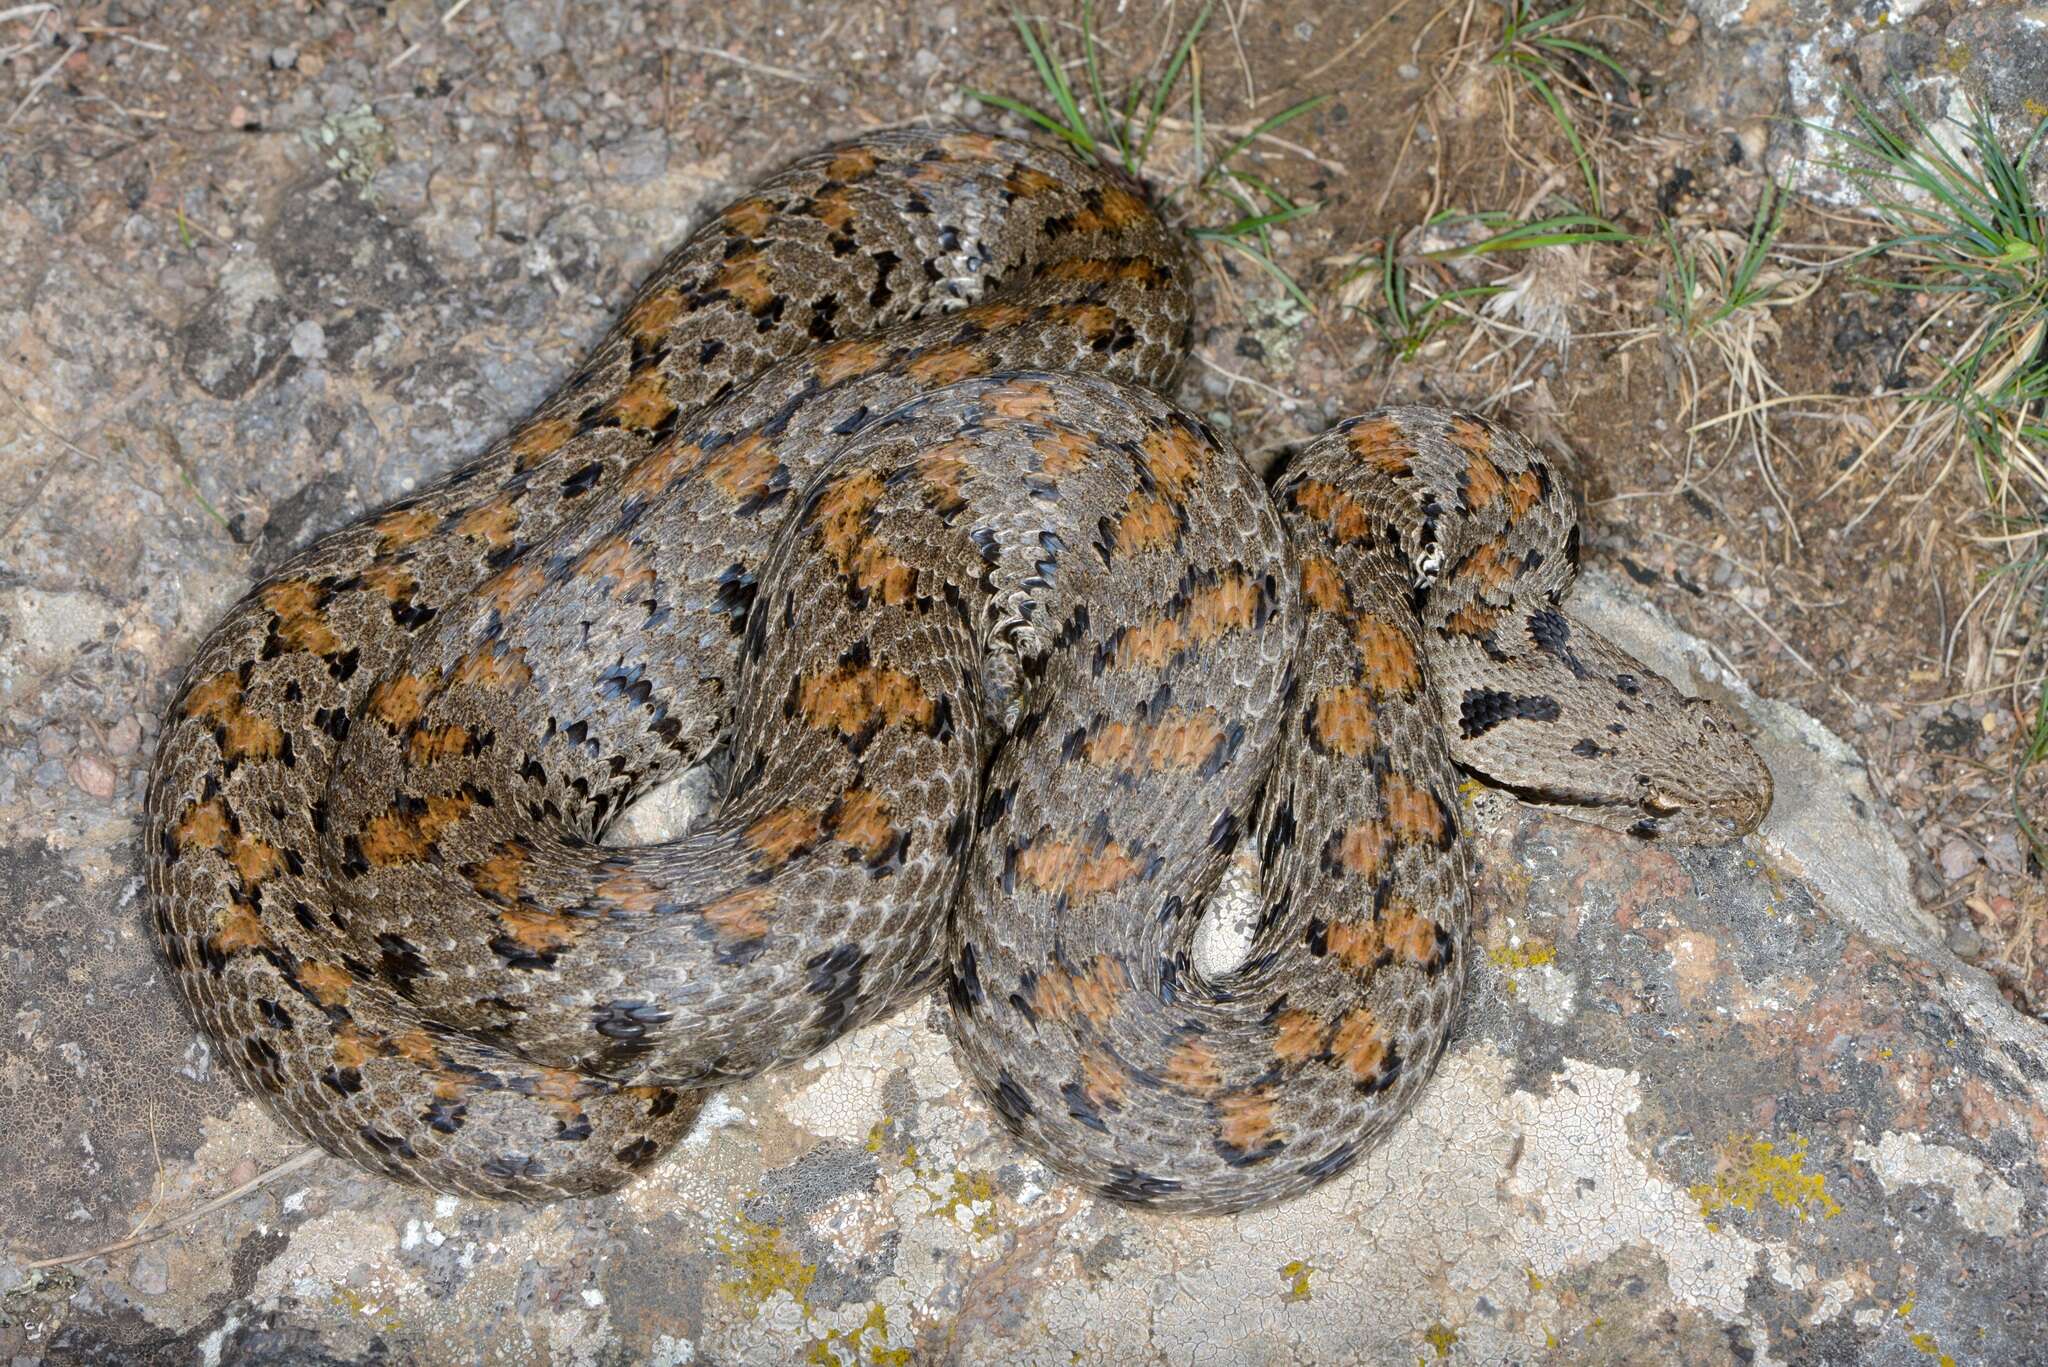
{"points": [[871, 501]]}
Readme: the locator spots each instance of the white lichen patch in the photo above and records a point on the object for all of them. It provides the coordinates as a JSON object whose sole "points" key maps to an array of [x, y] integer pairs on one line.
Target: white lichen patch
{"points": [[1588, 1195], [1983, 1201]]}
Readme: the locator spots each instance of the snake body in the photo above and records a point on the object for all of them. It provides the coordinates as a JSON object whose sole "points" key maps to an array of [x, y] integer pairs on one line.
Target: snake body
{"points": [[870, 500]]}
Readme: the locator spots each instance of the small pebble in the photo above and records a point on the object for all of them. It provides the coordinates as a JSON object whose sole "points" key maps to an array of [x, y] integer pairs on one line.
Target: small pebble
{"points": [[1408, 71], [52, 741], [284, 58], [1964, 941], [126, 736], [1957, 859], [309, 340], [151, 1273], [93, 776]]}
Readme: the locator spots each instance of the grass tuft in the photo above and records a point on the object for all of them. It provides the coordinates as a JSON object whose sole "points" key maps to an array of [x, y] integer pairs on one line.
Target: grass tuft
{"points": [[1967, 230], [1539, 49], [1228, 204]]}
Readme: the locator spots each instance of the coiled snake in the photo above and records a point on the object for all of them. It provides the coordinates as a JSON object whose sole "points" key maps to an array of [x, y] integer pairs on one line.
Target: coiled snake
{"points": [[870, 500]]}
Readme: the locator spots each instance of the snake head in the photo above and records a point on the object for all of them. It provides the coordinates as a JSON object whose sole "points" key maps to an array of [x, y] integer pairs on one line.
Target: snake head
{"points": [[1563, 718], [1714, 788]]}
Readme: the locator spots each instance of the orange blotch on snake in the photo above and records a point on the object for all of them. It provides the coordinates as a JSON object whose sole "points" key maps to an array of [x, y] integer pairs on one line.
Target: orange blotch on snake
{"points": [[660, 468], [851, 698], [391, 581], [1470, 436], [493, 667], [255, 860], [748, 217], [834, 208], [329, 984], [1298, 1036], [783, 833], [1474, 619], [650, 319], [397, 836], [1387, 658], [1120, 209], [1021, 399], [862, 821], [1355, 944], [203, 826], [745, 469], [619, 559], [1322, 587], [1147, 524], [492, 522], [1412, 810], [1380, 443], [250, 736], [1028, 182], [995, 315], [541, 440], [1174, 457], [353, 1046], [540, 932], [435, 742], [970, 146], [513, 587], [851, 164], [1360, 1045], [1183, 740], [240, 929], [746, 278], [643, 404], [1103, 1080], [1062, 451], [1246, 1121], [1080, 873], [402, 528], [416, 1046], [1194, 1067], [741, 914], [946, 365], [502, 877], [1411, 938], [1488, 568], [1227, 605], [1325, 502], [1362, 849], [300, 623], [1093, 321], [399, 701], [1483, 483], [1523, 492], [632, 891], [1343, 721], [217, 699]]}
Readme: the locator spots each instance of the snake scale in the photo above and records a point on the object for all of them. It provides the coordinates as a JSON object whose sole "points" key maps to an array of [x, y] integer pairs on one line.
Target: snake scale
{"points": [[870, 500]]}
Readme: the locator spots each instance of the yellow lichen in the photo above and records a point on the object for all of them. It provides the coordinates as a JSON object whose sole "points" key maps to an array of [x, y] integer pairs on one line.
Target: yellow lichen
{"points": [[867, 1346], [1296, 1275], [1441, 1337], [974, 1193], [764, 1265], [1756, 1169]]}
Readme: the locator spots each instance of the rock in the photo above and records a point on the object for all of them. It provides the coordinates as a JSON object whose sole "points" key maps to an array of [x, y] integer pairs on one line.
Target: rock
{"points": [[150, 1273], [93, 775]]}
